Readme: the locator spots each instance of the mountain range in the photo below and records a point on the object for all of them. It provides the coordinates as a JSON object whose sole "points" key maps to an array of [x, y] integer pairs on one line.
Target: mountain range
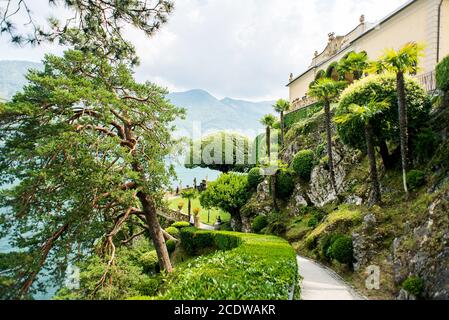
{"points": [[201, 107]]}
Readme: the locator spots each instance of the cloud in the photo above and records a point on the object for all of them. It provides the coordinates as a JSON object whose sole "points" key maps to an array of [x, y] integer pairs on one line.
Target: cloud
{"points": [[242, 49]]}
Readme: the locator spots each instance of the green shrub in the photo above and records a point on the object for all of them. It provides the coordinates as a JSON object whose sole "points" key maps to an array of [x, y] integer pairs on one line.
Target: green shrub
{"points": [[181, 224], [171, 245], [259, 223], [442, 75], [303, 163], [260, 267], [386, 124], [149, 261], [277, 223], [342, 250], [255, 177], [414, 285], [284, 184], [424, 144], [192, 240], [300, 114], [148, 286], [313, 222], [326, 245], [174, 232], [416, 179]]}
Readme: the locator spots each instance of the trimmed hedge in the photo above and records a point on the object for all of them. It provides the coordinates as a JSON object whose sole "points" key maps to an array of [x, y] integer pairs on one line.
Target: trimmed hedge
{"points": [[174, 232], [303, 163], [293, 117], [342, 250], [442, 75], [181, 224], [171, 245], [246, 267]]}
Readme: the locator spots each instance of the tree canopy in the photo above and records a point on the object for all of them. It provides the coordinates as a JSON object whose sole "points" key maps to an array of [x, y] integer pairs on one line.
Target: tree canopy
{"points": [[82, 153]]}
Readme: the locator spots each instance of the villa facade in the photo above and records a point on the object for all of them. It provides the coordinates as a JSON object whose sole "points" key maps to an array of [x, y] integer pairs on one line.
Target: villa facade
{"points": [[422, 21]]}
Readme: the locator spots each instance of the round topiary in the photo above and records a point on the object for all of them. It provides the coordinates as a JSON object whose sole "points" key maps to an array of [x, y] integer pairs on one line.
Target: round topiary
{"points": [[386, 124], [149, 261], [442, 75], [255, 176], [413, 285], [171, 245], [259, 223], [181, 224], [284, 184], [174, 232], [303, 163], [416, 179], [342, 250]]}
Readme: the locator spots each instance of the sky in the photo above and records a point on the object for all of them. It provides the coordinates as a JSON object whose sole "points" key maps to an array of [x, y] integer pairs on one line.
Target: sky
{"points": [[244, 49]]}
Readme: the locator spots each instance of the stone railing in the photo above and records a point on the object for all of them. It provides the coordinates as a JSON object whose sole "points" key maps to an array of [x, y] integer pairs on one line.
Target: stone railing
{"points": [[302, 103]]}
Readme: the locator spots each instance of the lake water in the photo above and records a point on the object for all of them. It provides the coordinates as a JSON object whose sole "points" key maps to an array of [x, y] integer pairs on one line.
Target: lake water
{"points": [[184, 177]]}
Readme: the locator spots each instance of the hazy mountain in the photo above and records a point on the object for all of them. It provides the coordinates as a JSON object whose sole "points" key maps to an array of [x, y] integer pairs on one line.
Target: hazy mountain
{"points": [[214, 114], [12, 76]]}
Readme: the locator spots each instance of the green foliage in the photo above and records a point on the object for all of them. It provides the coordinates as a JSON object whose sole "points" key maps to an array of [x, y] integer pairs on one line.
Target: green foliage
{"points": [[149, 261], [255, 177], [259, 223], [173, 231], [416, 179], [405, 60], [301, 114], [259, 267], [222, 142], [442, 75], [326, 90], [268, 120], [66, 150], [313, 222], [132, 274], [181, 224], [171, 245], [194, 240], [425, 145], [414, 285], [386, 123], [326, 245], [277, 223], [285, 184], [303, 163], [229, 193], [342, 249]]}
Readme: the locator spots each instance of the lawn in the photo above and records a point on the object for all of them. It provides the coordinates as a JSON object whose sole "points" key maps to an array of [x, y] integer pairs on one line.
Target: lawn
{"points": [[214, 213]]}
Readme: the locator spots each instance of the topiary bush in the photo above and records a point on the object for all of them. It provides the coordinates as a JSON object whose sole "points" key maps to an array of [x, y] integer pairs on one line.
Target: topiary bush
{"points": [[259, 223], [149, 261], [285, 184], [442, 75], [342, 250], [303, 163], [173, 231], [386, 124], [326, 245], [192, 241], [181, 224], [255, 177], [414, 285], [171, 245], [416, 179]]}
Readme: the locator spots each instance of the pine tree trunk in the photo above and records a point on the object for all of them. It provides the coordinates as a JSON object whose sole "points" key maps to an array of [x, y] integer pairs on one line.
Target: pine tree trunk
{"points": [[282, 128], [329, 145], [149, 210], [403, 127], [369, 136]]}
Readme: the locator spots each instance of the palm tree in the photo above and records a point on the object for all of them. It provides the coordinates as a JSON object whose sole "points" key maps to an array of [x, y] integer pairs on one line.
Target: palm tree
{"points": [[281, 107], [268, 121], [366, 114], [352, 66], [401, 62], [189, 195], [327, 91]]}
